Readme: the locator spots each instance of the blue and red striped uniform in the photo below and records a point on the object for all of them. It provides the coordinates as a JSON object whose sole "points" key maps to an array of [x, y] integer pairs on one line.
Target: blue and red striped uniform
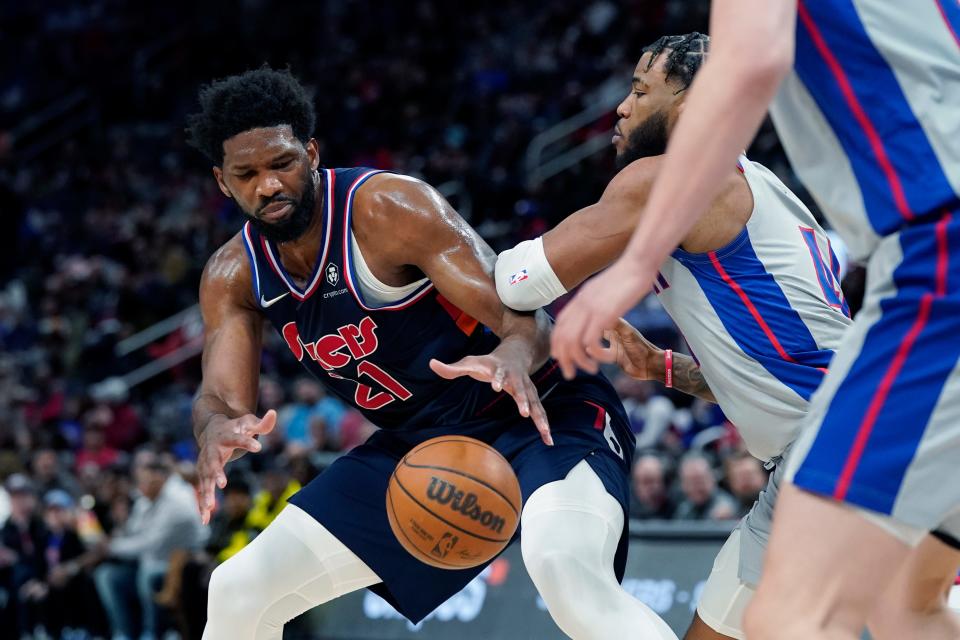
{"points": [[869, 120], [764, 314]]}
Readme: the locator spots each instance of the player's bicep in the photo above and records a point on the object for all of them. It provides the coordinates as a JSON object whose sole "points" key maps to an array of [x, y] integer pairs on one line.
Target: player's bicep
{"points": [[233, 339], [431, 235], [461, 265], [592, 238], [584, 243]]}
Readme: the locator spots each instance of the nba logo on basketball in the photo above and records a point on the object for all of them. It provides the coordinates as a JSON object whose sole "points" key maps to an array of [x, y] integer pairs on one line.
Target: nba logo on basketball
{"points": [[333, 274], [444, 545]]}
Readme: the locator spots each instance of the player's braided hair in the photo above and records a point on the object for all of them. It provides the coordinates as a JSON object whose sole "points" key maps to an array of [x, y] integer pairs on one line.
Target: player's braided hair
{"points": [[261, 97], [686, 55]]}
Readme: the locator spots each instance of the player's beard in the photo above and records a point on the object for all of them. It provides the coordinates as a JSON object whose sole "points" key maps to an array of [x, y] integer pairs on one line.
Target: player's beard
{"points": [[648, 139], [297, 223]]}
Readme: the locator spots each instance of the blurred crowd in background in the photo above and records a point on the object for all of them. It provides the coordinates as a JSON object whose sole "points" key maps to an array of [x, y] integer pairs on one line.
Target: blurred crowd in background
{"points": [[110, 218]]}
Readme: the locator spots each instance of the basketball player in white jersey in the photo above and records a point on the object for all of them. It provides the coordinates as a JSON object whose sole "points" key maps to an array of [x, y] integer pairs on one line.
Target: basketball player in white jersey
{"points": [[754, 290], [868, 115]]}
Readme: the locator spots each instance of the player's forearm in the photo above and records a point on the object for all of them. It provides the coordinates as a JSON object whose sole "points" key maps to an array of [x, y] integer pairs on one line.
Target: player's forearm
{"points": [[527, 336], [687, 376], [208, 406], [726, 105]]}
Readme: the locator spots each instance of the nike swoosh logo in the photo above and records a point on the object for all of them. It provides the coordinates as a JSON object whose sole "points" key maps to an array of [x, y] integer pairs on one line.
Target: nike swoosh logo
{"points": [[269, 303]]}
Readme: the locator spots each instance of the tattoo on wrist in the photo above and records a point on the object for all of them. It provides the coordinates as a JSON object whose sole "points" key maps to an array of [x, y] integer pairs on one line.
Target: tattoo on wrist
{"points": [[688, 377]]}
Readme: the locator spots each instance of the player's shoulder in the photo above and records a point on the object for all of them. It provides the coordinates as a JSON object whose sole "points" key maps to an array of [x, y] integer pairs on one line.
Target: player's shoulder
{"points": [[388, 188], [225, 262], [635, 180], [395, 197], [228, 272]]}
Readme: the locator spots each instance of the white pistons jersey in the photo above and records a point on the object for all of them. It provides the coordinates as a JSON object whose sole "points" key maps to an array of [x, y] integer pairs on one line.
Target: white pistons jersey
{"points": [[870, 115], [762, 315]]}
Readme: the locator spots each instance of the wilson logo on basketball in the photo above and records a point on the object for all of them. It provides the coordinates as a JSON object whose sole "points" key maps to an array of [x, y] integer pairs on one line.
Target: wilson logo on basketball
{"points": [[446, 493]]}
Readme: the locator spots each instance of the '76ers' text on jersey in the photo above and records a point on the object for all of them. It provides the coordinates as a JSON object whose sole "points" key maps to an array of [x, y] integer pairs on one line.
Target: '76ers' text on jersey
{"points": [[375, 358]]}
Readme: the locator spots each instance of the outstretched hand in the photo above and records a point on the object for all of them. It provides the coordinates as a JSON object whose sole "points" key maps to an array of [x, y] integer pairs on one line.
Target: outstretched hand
{"points": [[221, 438], [576, 340], [502, 375], [637, 356]]}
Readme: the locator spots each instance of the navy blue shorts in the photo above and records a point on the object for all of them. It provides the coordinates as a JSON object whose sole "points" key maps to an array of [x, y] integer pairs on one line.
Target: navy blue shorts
{"points": [[587, 422]]}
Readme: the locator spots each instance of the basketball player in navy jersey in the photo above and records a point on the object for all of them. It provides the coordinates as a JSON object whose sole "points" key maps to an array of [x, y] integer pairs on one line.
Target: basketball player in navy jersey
{"points": [[374, 282], [864, 96]]}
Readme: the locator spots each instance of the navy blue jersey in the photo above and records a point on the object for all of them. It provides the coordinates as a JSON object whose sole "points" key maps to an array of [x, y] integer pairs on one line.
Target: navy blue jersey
{"points": [[377, 358], [373, 358]]}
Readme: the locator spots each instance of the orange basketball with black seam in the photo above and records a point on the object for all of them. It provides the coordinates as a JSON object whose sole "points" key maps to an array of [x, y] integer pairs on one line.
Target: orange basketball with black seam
{"points": [[453, 502]]}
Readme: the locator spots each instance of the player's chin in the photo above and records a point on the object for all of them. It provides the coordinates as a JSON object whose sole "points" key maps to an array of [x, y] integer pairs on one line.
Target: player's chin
{"points": [[279, 219]]}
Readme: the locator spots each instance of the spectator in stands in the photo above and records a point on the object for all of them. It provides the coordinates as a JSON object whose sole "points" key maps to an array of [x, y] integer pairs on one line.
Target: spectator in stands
{"points": [[110, 489], [650, 498], [64, 592], [300, 466], [277, 488], [313, 419], [164, 518], [121, 424], [746, 479], [295, 418], [185, 587], [702, 498], [4, 505], [21, 557], [271, 394], [230, 528], [354, 430], [48, 474], [95, 450]]}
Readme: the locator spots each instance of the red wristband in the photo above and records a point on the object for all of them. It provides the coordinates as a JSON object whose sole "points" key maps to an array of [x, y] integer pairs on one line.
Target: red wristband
{"points": [[668, 368]]}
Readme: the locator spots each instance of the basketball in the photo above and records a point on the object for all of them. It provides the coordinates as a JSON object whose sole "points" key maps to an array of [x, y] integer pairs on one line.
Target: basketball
{"points": [[453, 502]]}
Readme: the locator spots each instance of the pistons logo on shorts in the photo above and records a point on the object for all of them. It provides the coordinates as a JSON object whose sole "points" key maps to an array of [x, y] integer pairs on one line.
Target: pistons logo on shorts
{"points": [[518, 277]]}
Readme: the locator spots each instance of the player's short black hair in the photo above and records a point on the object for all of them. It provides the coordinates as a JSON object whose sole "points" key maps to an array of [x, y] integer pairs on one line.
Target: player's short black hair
{"points": [[687, 54], [261, 97]]}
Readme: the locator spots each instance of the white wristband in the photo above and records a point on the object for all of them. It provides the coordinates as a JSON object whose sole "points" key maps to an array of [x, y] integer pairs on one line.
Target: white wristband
{"points": [[525, 279]]}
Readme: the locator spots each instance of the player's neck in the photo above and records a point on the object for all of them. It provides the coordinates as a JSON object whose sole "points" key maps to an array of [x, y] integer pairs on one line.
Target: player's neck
{"points": [[300, 256]]}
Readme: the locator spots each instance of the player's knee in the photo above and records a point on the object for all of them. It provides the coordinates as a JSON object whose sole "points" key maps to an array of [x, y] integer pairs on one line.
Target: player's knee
{"points": [[568, 587], [548, 565], [554, 562], [233, 593]]}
